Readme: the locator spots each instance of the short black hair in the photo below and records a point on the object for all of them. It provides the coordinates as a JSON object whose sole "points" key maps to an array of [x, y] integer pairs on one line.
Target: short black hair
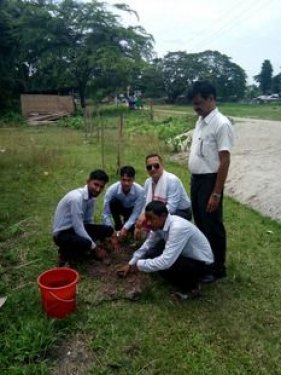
{"points": [[99, 175], [157, 208], [203, 88], [128, 171], [153, 155]]}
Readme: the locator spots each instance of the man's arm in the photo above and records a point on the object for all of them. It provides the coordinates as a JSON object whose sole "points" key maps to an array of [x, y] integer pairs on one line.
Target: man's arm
{"points": [[106, 208], [214, 200], [176, 241], [77, 220], [141, 219], [151, 240], [138, 206], [174, 195]]}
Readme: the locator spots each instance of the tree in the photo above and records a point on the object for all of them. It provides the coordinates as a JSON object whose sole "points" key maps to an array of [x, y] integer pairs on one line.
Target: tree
{"points": [[70, 44], [252, 91], [175, 74], [276, 84], [265, 77], [91, 48], [151, 81], [228, 77], [180, 70], [8, 54]]}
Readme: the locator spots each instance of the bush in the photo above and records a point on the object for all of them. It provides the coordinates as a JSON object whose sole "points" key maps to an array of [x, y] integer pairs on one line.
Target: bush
{"points": [[12, 119], [73, 122]]}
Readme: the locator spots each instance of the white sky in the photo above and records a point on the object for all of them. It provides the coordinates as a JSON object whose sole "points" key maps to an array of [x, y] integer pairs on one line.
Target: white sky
{"points": [[247, 31]]}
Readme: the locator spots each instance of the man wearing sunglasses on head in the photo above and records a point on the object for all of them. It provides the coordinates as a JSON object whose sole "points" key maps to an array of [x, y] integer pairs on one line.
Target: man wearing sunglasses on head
{"points": [[165, 187]]}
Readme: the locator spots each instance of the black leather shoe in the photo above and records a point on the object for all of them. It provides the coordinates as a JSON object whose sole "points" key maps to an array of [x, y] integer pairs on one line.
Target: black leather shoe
{"points": [[208, 279], [61, 262], [220, 273]]}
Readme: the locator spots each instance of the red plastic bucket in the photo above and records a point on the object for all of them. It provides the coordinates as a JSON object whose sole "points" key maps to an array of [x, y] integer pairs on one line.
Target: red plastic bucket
{"points": [[58, 291]]}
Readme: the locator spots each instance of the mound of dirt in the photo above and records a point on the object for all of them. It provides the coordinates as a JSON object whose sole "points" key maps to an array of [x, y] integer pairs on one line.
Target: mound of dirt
{"points": [[113, 287]]}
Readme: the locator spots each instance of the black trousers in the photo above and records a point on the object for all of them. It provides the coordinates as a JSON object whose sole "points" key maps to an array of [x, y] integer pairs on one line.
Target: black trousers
{"points": [[72, 246], [185, 214], [211, 224], [185, 273], [120, 214]]}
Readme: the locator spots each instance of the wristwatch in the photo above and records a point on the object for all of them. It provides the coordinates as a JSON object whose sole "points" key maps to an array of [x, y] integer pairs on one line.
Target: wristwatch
{"points": [[216, 195]]}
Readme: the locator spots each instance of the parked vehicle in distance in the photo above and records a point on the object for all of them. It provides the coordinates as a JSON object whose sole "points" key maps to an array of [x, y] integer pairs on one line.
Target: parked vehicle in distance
{"points": [[267, 98]]}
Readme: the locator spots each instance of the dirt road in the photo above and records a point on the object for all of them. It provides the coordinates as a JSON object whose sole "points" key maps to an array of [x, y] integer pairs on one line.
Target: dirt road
{"points": [[254, 177], [255, 172]]}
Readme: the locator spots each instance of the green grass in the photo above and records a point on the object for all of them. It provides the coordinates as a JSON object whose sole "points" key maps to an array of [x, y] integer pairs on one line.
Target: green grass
{"points": [[234, 329], [269, 111]]}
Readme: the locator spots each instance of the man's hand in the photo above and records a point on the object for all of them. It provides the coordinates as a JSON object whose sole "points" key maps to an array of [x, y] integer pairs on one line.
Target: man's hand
{"points": [[125, 270], [213, 203], [137, 233], [122, 234], [138, 227], [115, 242], [100, 253]]}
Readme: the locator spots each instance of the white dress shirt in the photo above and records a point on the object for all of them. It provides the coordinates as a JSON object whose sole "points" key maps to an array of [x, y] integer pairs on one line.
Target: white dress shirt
{"points": [[181, 238], [176, 195], [212, 134], [73, 211], [134, 198]]}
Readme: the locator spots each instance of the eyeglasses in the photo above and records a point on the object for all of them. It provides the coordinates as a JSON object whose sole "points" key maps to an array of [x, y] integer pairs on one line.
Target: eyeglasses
{"points": [[150, 166]]}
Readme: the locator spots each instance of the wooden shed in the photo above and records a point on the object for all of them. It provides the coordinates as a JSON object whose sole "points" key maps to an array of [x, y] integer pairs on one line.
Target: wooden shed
{"points": [[39, 104]]}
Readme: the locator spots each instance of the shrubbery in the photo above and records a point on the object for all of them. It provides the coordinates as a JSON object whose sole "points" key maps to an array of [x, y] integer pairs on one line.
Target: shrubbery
{"points": [[12, 119]]}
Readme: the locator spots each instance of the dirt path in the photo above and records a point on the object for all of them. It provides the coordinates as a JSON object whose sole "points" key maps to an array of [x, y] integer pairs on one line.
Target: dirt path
{"points": [[255, 172], [254, 177]]}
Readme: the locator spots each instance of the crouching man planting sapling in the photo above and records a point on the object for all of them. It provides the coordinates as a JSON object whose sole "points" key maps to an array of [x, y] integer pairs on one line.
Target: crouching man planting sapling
{"points": [[185, 257], [73, 229]]}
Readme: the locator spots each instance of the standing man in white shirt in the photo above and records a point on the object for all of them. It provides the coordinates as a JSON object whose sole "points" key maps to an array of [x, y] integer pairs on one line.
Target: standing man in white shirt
{"points": [[73, 229], [123, 202], [209, 161], [165, 187], [186, 254]]}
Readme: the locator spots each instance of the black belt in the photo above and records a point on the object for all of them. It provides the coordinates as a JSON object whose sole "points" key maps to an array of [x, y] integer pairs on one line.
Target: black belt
{"points": [[204, 175]]}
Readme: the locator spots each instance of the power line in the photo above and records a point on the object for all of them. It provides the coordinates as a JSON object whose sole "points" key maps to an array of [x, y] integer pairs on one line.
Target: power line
{"points": [[221, 18], [239, 18]]}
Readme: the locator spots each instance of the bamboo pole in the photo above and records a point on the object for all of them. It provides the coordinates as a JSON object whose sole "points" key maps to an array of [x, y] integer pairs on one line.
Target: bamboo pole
{"points": [[120, 142], [88, 122], [97, 127], [85, 116], [151, 111], [101, 126]]}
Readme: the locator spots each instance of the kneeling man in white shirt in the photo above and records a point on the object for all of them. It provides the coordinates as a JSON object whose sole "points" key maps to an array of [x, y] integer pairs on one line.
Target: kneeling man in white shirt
{"points": [[185, 258]]}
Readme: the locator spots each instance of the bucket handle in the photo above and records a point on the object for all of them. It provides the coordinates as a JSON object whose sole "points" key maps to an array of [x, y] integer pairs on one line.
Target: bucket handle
{"points": [[60, 299]]}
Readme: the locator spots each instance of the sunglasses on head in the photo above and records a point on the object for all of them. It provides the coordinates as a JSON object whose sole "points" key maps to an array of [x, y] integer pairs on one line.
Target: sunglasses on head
{"points": [[155, 166]]}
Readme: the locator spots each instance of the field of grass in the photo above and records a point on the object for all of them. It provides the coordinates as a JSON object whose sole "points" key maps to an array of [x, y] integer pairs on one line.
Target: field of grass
{"points": [[234, 328], [268, 111]]}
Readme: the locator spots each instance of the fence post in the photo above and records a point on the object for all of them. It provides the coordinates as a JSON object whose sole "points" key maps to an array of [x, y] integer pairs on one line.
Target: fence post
{"points": [[151, 111], [88, 122], [120, 142], [101, 127], [98, 124]]}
